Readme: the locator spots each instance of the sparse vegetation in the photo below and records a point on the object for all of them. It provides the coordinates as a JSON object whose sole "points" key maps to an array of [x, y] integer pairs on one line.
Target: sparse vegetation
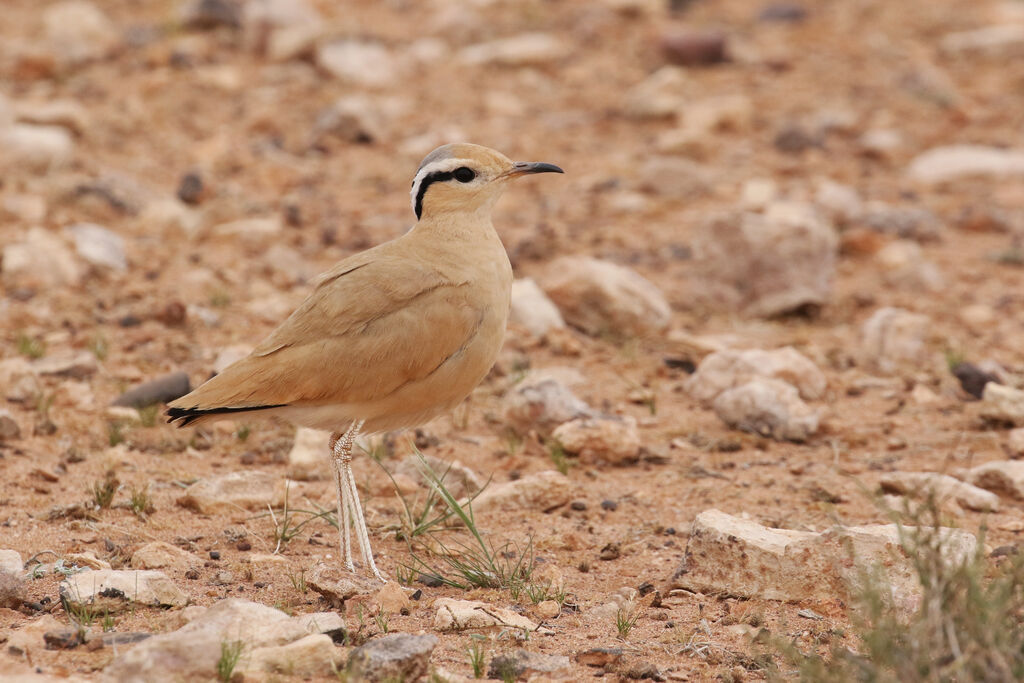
{"points": [[30, 347], [383, 622], [230, 653], [625, 620], [476, 654], [148, 414], [558, 456], [99, 346], [140, 502], [103, 491]]}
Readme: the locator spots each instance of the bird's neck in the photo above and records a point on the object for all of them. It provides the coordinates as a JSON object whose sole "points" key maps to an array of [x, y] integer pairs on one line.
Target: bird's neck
{"points": [[456, 227]]}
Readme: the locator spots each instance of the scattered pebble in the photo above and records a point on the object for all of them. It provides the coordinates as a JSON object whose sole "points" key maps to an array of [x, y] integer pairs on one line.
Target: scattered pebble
{"points": [[160, 390], [612, 440], [768, 407], [392, 657]]}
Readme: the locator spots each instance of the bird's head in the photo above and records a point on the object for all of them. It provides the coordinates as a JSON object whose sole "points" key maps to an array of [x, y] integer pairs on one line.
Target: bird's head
{"points": [[462, 177]]}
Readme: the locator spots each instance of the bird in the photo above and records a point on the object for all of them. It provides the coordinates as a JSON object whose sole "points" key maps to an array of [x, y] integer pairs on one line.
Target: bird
{"points": [[390, 337]]}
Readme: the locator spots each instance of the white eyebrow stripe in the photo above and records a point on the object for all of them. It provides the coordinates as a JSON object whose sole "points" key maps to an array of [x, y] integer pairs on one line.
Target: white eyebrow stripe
{"points": [[441, 166]]}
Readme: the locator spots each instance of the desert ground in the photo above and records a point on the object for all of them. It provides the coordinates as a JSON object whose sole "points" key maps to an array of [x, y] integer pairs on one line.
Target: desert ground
{"points": [[842, 178]]}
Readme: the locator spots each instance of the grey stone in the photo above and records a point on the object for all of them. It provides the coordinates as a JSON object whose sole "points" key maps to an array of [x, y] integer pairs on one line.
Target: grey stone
{"points": [[41, 260], [12, 590], [10, 561], [465, 615], [894, 339], [393, 657], [245, 490], [542, 402], [9, 429], [941, 487], [160, 390], [1001, 403]]}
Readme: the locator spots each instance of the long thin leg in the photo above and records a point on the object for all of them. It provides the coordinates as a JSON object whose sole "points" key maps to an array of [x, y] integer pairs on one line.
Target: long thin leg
{"points": [[348, 496], [341, 454]]}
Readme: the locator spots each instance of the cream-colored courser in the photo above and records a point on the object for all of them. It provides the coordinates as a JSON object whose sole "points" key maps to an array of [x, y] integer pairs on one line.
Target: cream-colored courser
{"points": [[390, 337]]}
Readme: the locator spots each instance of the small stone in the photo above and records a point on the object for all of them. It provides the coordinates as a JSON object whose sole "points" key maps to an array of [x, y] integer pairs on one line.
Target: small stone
{"points": [[768, 407], [904, 266], [40, 261], [767, 264], [99, 246], [542, 402], [614, 440], [609, 505], [12, 590], [548, 609], [161, 555], [463, 615], [393, 657], [308, 458], [881, 143], [542, 491], [392, 599], [526, 49], [1015, 442], [525, 664], [117, 591], [794, 138], [600, 657], [214, 554], [907, 222], [78, 365], [1001, 403], [688, 47], [660, 95], [1004, 477], [840, 202], [601, 297], [78, 31], [1004, 41], [247, 490], [160, 390], [63, 639], [10, 561], [253, 232], [531, 308], [210, 14], [727, 369], [939, 486], [578, 505], [358, 62], [894, 338], [945, 164], [786, 12], [353, 118], [972, 378], [337, 584], [190, 189], [9, 429]]}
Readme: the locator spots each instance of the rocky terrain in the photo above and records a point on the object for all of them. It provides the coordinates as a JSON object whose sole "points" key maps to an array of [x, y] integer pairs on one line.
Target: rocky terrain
{"points": [[777, 296]]}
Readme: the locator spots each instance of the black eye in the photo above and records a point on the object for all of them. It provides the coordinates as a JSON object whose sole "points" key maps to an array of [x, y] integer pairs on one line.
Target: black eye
{"points": [[463, 174]]}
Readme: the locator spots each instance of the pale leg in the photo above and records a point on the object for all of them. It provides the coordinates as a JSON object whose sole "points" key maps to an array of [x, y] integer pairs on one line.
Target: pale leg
{"points": [[348, 500]]}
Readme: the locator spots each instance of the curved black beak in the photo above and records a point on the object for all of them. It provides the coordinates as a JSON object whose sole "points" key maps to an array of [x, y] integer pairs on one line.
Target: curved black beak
{"points": [[524, 167]]}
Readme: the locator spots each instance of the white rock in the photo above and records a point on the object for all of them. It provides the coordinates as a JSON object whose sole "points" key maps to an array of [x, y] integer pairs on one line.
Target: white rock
{"points": [[313, 656], [78, 31], [526, 49], [1015, 442], [881, 142], [356, 118], [41, 260], [1002, 40], [941, 487], [233, 492], [37, 148], [769, 407], [726, 369], [757, 193], [542, 491], [19, 382], [734, 556], [282, 29], [531, 308], [601, 297], [840, 202], [464, 615], [542, 403], [309, 458], [894, 338], [768, 264], [66, 113], [943, 164], [660, 95], [1005, 477], [171, 214], [27, 208], [1003, 404], [98, 245], [904, 266], [116, 591], [192, 652], [613, 440], [253, 232], [357, 62], [10, 562], [161, 555], [337, 584], [78, 365], [672, 177]]}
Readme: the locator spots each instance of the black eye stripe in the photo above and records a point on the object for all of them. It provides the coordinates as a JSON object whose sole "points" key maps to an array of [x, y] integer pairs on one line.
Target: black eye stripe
{"points": [[439, 177]]}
